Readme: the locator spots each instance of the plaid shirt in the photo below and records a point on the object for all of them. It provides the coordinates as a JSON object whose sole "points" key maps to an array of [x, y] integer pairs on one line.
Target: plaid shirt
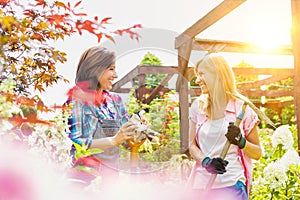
{"points": [[83, 122]]}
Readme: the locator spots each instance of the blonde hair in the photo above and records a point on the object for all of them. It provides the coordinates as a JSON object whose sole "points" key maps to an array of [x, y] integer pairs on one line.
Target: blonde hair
{"points": [[224, 71], [226, 76], [91, 65]]}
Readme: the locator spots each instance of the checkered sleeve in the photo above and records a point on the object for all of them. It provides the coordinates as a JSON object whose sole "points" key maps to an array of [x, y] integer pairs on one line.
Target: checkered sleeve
{"points": [[78, 133]]}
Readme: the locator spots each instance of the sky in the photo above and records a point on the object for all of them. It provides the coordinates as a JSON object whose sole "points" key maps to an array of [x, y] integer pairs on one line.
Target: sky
{"points": [[265, 22]]}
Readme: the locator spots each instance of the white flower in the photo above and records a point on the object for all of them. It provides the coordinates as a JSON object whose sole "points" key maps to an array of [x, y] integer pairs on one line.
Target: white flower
{"points": [[283, 135], [54, 145], [275, 174], [291, 157]]}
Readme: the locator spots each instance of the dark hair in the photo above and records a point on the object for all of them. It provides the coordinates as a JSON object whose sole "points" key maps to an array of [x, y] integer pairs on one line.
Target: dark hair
{"points": [[91, 65]]}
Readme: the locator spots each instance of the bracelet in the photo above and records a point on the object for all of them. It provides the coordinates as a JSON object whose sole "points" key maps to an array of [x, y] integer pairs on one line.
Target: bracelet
{"points": [[205, 161], [242, 143]]}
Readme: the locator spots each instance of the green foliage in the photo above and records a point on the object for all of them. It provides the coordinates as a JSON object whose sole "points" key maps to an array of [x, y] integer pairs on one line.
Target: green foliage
{"points": [[151, 59], [163, 117], [192, 82], [152, 80], [285, 117], [288, 115], [83, 151], [245, 78], [134, 105]]}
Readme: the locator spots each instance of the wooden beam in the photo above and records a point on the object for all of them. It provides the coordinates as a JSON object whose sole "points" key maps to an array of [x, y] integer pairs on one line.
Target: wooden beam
{"points": [[238, 47], [142, 70], [158, 89], [122, 90], [255, 93], [268, 93], [148, 69], [288, 72], [141, 91], [274, 104], [263, 71], [258, 83], [209, 19], [296, 49], [133, 73]]}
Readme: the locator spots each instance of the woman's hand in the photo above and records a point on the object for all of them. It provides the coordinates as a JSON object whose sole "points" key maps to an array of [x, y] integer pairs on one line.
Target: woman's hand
{"points": [[215, 165], [126, 132], [234, 136]]}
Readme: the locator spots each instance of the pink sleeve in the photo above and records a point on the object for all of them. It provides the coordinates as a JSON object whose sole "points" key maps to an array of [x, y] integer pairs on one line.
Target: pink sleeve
{"points": [[250, 120]]}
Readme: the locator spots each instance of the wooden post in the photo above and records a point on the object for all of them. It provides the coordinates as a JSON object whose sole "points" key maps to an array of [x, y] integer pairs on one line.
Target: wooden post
{"points": [[296, 50], [141, 83], [184, 53]]}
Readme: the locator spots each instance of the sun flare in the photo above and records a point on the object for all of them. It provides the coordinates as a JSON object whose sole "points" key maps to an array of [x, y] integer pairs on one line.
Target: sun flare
{"points": [[270, 36]]}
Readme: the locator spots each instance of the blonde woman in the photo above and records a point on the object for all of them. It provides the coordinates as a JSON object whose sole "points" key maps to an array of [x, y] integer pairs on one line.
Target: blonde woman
{"points": [[210, 116]]}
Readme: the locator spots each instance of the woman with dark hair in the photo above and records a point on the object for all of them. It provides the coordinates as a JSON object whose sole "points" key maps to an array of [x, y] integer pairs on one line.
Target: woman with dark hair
{"points": [[99, 118]]}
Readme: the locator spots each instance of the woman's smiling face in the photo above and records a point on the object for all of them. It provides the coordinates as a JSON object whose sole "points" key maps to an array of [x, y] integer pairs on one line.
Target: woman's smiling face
{"points": [[200, 81], [107, 77]]}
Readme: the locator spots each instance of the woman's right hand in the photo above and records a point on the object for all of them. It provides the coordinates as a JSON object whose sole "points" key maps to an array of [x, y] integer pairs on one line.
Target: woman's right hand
{"points": [[126, 132], [215, 165]]}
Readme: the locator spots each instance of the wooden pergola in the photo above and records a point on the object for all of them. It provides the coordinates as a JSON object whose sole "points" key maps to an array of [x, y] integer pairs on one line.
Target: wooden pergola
{"points": [[186, 42]]}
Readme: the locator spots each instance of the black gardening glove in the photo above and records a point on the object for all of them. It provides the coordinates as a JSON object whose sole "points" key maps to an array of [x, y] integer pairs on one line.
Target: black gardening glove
{"points": [[215, 165], [234, 136]]}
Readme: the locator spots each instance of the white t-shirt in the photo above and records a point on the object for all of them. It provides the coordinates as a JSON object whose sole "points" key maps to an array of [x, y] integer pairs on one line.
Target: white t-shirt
{"points": [[211, 140]]}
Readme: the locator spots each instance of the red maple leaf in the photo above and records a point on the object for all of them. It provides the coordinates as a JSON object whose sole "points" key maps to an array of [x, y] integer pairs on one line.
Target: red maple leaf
{"points": [[77, 4], [110, 38], [99, 36], [56, 18], [105, 20], [60, 4], [4, 2], [86, 25]]}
